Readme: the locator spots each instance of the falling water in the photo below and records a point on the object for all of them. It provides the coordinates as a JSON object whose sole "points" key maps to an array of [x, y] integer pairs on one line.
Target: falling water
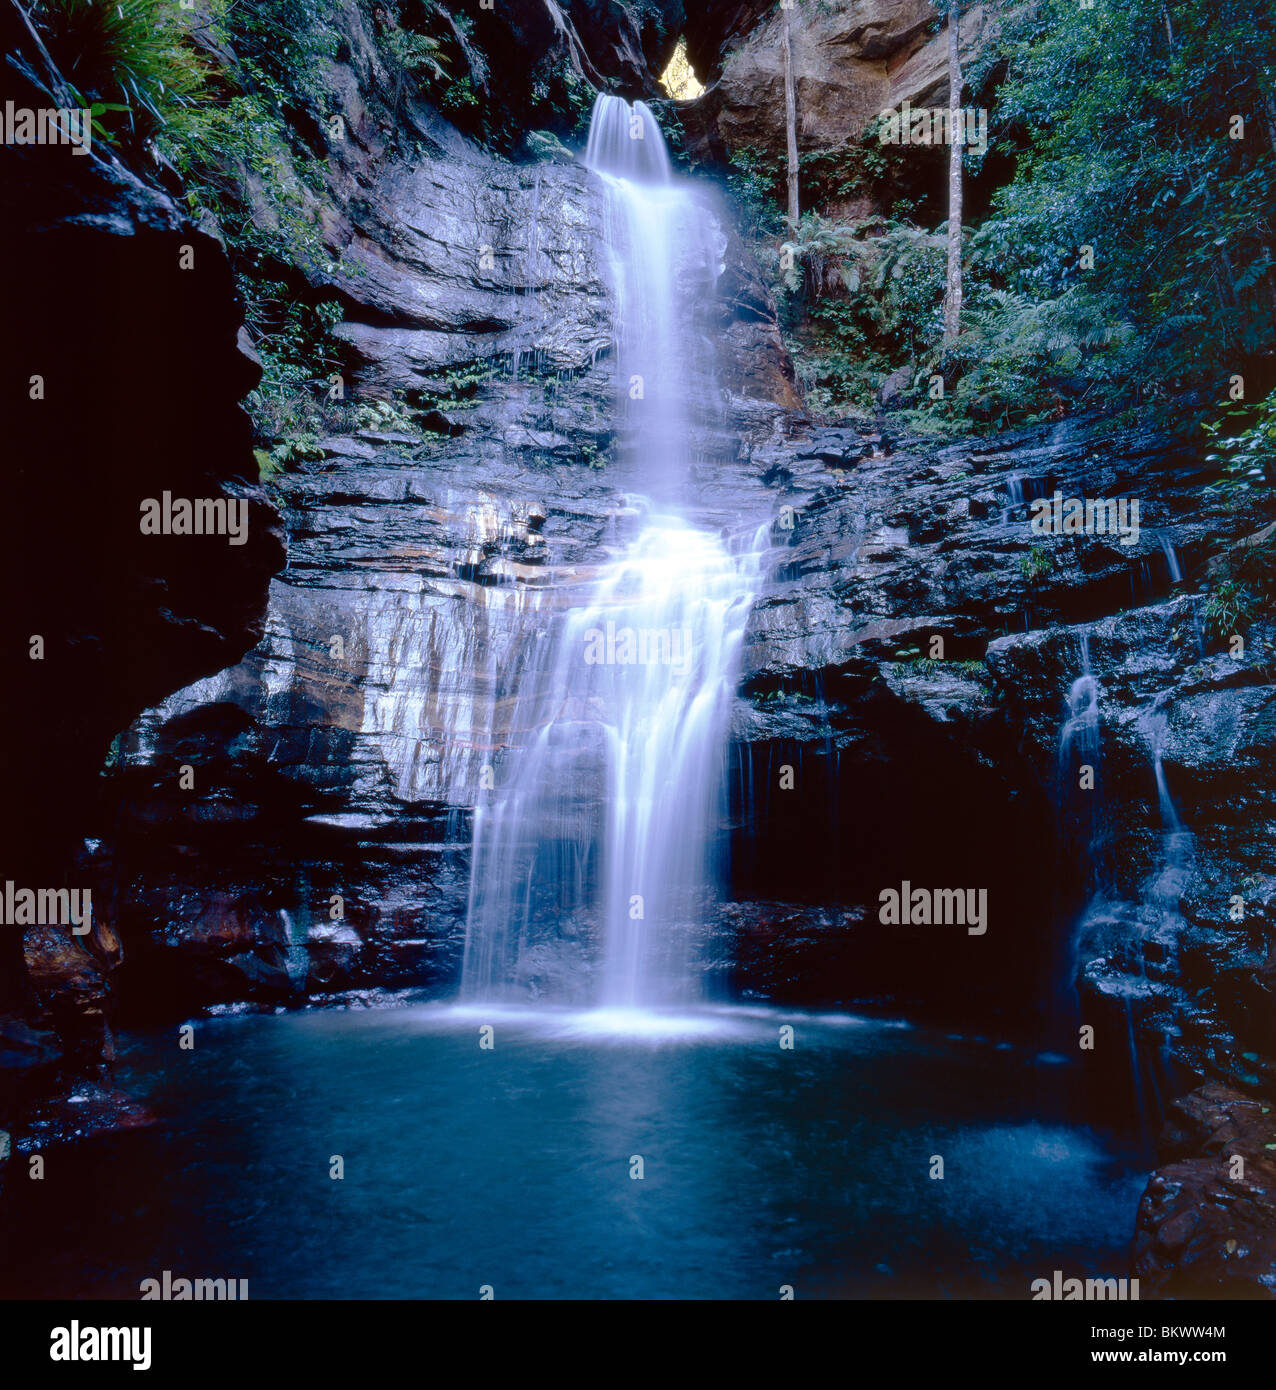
{"points": [[1166, 888], [1079, 794], [1172, 560], [1081, 725], [594, 853], [1139, 938], [659, 242]]}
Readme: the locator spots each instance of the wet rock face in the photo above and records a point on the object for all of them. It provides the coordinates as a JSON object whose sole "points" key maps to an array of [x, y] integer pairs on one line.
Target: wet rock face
{"points": [[881, 670], [1207, 1222], [342, 757], [139, 396], [461, 262], [890, 540], [487, 261], [419, 564]]}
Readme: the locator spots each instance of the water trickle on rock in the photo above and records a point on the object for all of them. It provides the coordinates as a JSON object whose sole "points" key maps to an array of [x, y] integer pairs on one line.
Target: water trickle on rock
{"points": [[596, 852]]}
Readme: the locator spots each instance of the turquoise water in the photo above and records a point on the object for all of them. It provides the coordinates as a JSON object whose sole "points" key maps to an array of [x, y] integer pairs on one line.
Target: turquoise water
{"points": [[511, 1167]]}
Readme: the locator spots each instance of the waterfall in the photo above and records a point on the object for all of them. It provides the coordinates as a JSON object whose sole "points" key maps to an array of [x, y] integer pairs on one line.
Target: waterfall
{"points": [[1172, 560], [595, 850], [1130, 944], [1080, 747], [1166, 887], [1081, 725]]}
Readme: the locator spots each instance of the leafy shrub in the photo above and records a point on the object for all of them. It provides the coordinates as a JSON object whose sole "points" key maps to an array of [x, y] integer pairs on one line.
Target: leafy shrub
{"points": [[126, 61], [1035, 564], [1244, 443], [1230, 607]]}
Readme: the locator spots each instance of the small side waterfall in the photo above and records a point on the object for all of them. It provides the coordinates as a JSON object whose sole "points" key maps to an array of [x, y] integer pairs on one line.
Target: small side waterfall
{"points": [[1079, 791], [1014, 499], [1178, 845], [1172, 560], [594, 853], [1138, 936]]}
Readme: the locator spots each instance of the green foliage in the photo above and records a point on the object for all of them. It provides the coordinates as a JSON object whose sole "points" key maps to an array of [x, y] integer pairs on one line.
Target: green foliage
{"points": [[856, 298], [294, 447], [218, 150], [914, 663], [666, 117], [281, 46], [458, 95], [1241, 588], [431, 58], [1123, 132], [417, 54], [849, 170], [285, 403], [1244, 442], [751, 181], [243, 160], [389, 416], [244, 134], [460, 386], [125, 60], [784, 697], [860, 298], [579, 96], [1035, 564], [1230, 607], [1119, 124], [1007, 367], [837, 366], [759, 180]]}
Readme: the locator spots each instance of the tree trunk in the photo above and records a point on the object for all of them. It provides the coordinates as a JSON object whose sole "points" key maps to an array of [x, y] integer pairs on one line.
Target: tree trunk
{"points": [[952, 298], [790, 121]]}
